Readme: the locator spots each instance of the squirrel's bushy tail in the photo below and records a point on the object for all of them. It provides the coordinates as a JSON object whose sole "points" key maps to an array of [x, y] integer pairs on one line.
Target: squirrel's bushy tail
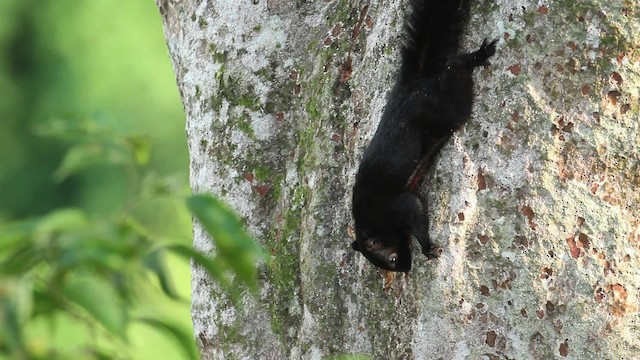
{"points": [[433, 31]]}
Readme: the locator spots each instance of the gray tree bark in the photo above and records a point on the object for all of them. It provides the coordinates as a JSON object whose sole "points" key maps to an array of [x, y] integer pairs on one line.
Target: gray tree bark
{"points": [[535, 202]]}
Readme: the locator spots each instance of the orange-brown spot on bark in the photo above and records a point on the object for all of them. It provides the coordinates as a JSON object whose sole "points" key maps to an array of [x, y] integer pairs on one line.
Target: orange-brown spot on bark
{"points": [[483, 239], [461, 216], [599, 295], [388, 279], [546, 273], [523, 312], [572, 45], [521, 242], [585, 89], [249, 177], [583, 241], [568, 127], [336, 137], [543, 10], [491, 338], [624, 108], [580, 221], [619, 292], [296, 89], [515, 69], [482, 182], [369, 22], [594, 188], [356, 31], [574, 251], [346, 70], [596, 116], [540, 314], [327, 41], [616, 79], [337, 30], [505, 284], [363, 18], [484, 290], [613, 96], [293, 75], [263, 190], [279, 116], [564, 348], [528, 212], [549, 306]]}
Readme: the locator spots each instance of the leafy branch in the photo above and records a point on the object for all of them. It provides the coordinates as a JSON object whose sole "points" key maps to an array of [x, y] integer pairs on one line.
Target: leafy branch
{"points": [[92, 270]]}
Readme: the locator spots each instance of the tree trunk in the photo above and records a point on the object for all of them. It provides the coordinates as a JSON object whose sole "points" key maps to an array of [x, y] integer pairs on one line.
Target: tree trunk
{"points": [[535, 202]]}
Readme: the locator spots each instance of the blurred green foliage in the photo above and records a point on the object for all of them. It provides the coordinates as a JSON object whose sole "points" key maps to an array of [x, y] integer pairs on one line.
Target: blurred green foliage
{"points": [[88, 260], [96, 58], [94, 270]]}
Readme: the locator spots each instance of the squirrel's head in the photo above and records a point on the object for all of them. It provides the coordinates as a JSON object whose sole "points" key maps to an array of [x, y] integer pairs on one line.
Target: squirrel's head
{"points": [[386, 252]]}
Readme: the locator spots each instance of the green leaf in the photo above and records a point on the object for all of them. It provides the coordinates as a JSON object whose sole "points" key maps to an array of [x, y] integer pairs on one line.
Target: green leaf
{"points": [[100, 354], [154, 185], [130, 224], [16, 233], [141, 146], [94, 255], [155, 262], [22, 292], [45, 303], [100, 301], [10, 327], [84, 155], [213, 267], [62, 220], [76, 128], [79, 158], [21, 260], [233, 243], [184, 338]]}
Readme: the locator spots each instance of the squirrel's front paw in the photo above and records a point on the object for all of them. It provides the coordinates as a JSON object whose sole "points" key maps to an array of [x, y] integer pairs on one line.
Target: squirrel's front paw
{"points": [[432, 252]]}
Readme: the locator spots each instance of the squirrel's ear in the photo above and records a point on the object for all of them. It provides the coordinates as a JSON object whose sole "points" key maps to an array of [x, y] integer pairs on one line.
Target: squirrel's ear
{"points": [[354, 246]]}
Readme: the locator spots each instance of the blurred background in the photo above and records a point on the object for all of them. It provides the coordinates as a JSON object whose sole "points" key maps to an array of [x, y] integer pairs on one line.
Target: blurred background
{"points": [[92, 145]]}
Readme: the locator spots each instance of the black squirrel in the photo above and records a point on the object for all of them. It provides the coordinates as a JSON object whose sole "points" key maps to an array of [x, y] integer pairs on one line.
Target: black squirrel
{"points": [[432, 97]]}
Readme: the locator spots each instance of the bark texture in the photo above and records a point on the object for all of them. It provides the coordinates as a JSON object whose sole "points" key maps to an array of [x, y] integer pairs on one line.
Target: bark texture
{"points": [[535, 202]]}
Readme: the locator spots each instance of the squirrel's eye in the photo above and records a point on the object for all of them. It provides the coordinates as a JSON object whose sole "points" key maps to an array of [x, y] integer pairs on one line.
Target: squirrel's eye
{"points": [[393, 258]]}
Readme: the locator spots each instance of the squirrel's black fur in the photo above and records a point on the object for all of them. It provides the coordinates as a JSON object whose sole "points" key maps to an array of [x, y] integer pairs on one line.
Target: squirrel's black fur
{"points": [[432, 97]]}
